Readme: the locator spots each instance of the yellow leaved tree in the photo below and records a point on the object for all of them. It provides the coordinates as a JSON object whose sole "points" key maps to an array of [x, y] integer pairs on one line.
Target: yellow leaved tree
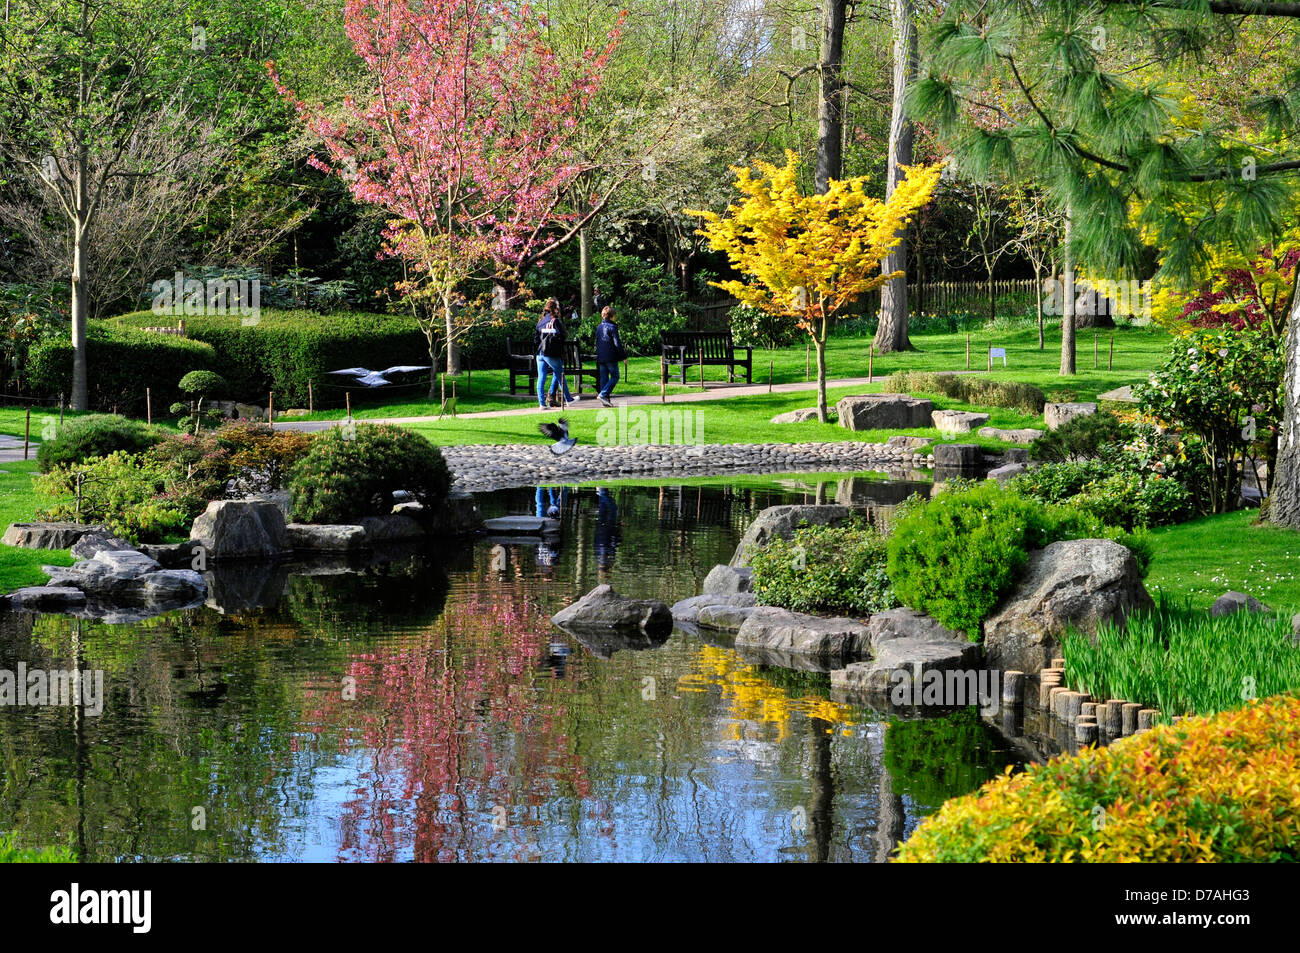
{"points": [[807, 257]]}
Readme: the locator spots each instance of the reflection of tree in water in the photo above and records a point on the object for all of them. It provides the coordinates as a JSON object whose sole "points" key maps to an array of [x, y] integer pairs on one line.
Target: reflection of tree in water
{"points": [[453, 734], [934, 759]]}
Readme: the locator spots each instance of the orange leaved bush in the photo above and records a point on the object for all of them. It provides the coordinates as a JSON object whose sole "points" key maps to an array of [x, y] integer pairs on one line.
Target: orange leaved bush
{"points": [[1220, 788]]}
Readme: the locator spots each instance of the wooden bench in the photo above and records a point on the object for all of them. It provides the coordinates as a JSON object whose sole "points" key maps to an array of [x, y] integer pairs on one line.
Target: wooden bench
{"points": [[711, 348], [522, 362]]}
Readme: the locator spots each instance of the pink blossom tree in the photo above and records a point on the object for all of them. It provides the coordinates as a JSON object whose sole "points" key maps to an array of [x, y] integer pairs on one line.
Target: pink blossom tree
{"points": [[467, 137]]}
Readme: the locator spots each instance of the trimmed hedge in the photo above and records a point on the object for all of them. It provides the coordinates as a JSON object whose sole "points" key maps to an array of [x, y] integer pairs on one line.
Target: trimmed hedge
{"points": [[1215, 789], [122, 363], [287, 349], [95, 435], [969, 389]]}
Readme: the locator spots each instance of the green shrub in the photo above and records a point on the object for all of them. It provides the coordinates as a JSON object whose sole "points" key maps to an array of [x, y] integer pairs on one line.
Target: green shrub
{"points": [[285, 350], [126, 492], [203, 384], [122, 363], [969, 389], [1082, 438], [353, 472], [825, 569], [95, 435], [1186, 662], [261, 457], [750, 325], [1115, 493], [959, 554]]}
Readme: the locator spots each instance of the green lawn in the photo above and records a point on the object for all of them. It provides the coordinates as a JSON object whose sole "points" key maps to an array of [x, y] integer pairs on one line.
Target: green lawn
{"points": [[18, 502], [1137, 352], [1204, 558]]}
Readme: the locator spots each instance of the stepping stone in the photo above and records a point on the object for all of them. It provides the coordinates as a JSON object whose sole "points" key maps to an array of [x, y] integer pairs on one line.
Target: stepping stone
{"points": [[513, 525], [1025, 436]]}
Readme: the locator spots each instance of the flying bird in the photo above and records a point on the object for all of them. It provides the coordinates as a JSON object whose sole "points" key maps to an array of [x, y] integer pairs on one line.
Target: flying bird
{"points": [[369, 378], [559, 432]]}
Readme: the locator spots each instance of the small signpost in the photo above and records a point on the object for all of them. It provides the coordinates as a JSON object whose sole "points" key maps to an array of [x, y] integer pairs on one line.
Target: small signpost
{"points": [[997, 352]]}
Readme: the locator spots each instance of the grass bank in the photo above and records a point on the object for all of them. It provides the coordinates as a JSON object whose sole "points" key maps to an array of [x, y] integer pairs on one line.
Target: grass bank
{"points": [[18, 502]]}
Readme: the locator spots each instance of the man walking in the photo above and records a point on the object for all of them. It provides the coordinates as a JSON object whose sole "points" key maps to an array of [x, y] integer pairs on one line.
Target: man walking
{"points": [[609, 351]]}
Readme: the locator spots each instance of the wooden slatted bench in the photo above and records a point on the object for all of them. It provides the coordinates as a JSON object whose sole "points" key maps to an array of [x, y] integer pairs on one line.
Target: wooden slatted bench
{"points": [[522, 362], [712, 348]]}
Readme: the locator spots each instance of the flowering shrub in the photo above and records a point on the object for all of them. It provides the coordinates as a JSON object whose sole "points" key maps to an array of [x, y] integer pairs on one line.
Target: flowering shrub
{"points": [[1222, 390], [1218, 788]]}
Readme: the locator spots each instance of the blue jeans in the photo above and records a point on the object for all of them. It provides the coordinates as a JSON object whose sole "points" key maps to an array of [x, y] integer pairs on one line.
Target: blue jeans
{"points": [[606, 378], [550, 366]]}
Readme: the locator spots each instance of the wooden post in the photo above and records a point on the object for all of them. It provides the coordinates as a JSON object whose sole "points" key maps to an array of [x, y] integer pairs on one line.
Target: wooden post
{"points": [[148, 406], [701, 368], [871, 361], [270, 407], [27, 433], [347, 397], [1129, 717], [769, 375], [663, 389], [807, 359], [990, 358], [60, 408], [1111, 364], [311, 402], [1013, 687], [968, 352], [1096, 362]]}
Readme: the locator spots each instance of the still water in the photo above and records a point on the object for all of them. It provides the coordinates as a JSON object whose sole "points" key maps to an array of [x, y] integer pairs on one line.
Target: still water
{"points": [[426, 709]]}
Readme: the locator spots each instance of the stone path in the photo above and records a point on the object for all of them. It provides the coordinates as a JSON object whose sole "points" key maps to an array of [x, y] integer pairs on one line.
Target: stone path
{"points": [[11, 449], [480, 468], [714, 390]]}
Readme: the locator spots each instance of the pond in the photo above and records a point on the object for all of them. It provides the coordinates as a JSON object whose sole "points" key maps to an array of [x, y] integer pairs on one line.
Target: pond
{"points": [[426, 709]]}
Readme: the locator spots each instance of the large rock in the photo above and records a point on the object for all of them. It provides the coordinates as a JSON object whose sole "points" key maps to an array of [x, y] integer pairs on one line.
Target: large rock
{"points": [[325, 538], [393, 527], [884, 412], [727, 616], [800, 416], [689, 610], [1079, 582], [958, 421], [116, 578], [173, 586], [457, 516], [603, 608], [1025, 435], [1232, 601], [785, 631], [782, 521], [240, 529], [46, 599], [725, 580], [175, 555], [902, 665], [92, 543], [904, 623], [1057, 414], [904, 442], [1005, 474], [49, 535]]}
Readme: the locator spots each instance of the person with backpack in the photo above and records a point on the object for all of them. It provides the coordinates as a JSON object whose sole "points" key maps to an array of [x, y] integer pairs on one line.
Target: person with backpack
{"points": [[609, 351], [549, 340]]}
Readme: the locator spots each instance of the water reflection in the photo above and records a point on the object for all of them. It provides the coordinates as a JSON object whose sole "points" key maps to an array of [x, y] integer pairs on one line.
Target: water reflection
{"points": [[424, 708]]}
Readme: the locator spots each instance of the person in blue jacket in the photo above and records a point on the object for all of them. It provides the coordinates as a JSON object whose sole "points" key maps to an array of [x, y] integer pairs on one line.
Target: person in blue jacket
{"points": [[609, 351], [549, 340]]}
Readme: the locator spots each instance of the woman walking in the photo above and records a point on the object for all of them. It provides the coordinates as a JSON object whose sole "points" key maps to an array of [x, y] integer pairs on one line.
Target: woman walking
{"points": [[549, 341]]}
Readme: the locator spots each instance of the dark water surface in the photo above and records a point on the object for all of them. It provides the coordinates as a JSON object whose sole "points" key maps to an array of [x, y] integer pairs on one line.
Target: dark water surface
{"points": [[426, 709]]}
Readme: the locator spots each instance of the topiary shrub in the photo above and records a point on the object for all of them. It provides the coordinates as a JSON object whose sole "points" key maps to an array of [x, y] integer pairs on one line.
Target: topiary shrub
{"points": [[95, 435], [1216, 789], [825, 569], [1082, 438], [351, 472], [204, 385], [956, 556]]}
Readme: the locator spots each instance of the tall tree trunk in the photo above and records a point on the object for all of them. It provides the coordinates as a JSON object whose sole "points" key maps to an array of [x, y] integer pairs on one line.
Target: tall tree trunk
{"points": [[80, 377], [1284, 484], [453, 348], [821, 783], [584, 277], [819, 344], [891, 333], [1067, 309], [993, 306], [829, 102], [1038, 301]]}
